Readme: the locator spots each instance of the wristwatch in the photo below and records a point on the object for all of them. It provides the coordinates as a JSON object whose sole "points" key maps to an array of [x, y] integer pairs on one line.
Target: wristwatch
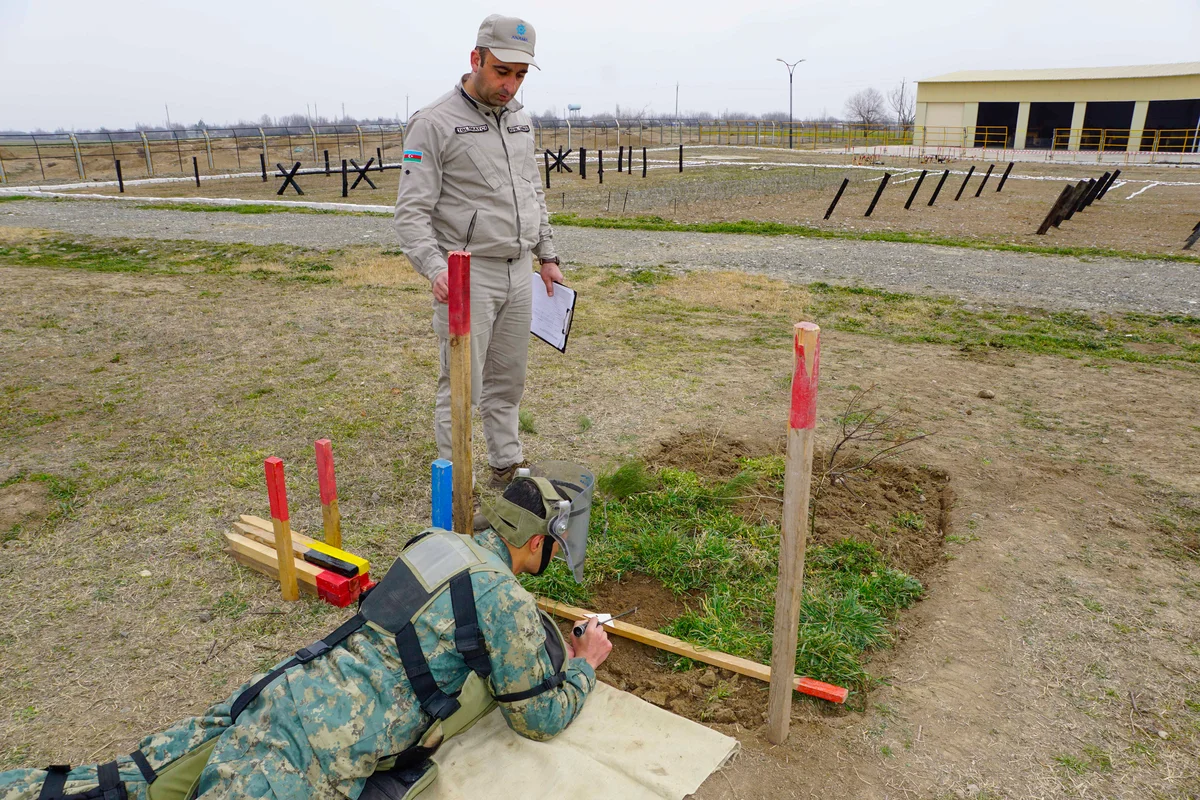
{"points": [[551, 260]]}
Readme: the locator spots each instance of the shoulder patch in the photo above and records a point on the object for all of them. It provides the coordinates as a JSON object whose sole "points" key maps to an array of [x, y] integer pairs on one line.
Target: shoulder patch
{"points": [[518, 129], [412, 156], [472, 129]]}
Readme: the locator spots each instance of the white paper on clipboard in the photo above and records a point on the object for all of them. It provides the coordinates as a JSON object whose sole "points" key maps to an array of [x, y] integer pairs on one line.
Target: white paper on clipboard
{"points": [[552, 316]]}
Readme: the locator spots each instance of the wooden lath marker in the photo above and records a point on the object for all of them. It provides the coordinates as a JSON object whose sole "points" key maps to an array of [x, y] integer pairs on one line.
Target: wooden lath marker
{"points": [[660, 641]]}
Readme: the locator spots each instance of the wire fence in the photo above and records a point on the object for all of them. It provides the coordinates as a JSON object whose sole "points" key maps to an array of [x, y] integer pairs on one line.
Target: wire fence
{"points": [[27, 158]]}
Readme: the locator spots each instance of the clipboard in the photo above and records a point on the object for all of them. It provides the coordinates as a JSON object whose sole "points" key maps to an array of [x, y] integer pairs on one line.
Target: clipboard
{"points": [[552, 316]]}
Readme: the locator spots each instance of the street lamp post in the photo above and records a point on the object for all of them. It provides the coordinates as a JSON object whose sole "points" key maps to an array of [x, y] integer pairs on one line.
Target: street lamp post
{"points": [[790, 68]]}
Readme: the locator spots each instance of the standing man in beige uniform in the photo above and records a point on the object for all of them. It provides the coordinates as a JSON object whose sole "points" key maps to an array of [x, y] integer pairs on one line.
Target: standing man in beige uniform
{"points": [[470, 182]]}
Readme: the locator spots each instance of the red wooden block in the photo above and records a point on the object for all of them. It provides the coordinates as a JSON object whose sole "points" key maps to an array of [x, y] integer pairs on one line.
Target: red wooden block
{"points": [[825, 691], [276, 489], [460, 293], [804, 382], [325, 478]]}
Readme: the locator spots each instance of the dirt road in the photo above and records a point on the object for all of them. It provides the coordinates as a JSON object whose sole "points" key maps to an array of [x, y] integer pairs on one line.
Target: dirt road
{"points": [[983, 276]]}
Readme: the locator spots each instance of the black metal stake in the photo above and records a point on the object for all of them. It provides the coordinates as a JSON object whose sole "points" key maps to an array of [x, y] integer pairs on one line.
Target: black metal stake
{"points": [[620, 158], [120, 180], [983, 183], [1111, 181], [326, 162], [1004, 177], [625, 202], [681, 158], [878, 192], [838, 196], [916, 189], [1191, 240], [379, 155], [970, 172], [583, 163], [196, 171], [600, 165], [933, 199], [262, 159], [345, 180], [643, 162], [547, 154]]}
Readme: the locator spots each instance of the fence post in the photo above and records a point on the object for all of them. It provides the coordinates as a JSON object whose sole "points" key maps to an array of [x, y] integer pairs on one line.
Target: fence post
{"points": [[146, 147], [938, 190], [78, 157], [681, 158], [836, 197], [1004, 177], [569, 135], [797, 483], [882, 185], [1100, 196], [916, 189], [314, 138], [582, 160], [262, 162], [263, 136], [3, 177], [208, 147], [362, 153], [966, 180], [196, 170], [120, 180], [345, 183], [460, 388], [979, 191]]}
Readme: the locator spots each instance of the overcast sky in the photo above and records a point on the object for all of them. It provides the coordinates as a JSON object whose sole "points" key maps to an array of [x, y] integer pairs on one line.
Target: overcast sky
{"points": [[80, 65]]}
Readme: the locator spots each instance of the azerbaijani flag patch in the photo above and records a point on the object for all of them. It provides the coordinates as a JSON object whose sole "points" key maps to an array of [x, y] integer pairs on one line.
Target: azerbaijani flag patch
{"points": [[411, 155]]}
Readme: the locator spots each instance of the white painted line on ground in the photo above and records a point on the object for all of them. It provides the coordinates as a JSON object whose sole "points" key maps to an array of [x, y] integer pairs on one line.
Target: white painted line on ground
{"points": [[1139, 191]]}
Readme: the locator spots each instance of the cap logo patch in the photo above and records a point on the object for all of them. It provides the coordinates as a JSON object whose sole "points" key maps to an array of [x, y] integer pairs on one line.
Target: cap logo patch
{"points": [[521, 29]]}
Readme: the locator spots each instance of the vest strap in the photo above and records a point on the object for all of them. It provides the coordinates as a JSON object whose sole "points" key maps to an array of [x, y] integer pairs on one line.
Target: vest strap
{"points": [[109, 776], [553, 682], [56, 781], [468, 639], [148, 773], [433, 700], [303, 656]]}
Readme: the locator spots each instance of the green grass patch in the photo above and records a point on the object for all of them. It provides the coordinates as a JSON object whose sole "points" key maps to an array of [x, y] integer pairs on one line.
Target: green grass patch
{"points": [[753, 228], [8, 198], [255, 208], [685, 532], [167, 257]]}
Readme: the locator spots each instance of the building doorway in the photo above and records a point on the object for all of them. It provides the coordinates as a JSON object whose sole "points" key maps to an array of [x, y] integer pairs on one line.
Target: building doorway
{"points": [[1106, 126], [996, 124], [1044, 120]]}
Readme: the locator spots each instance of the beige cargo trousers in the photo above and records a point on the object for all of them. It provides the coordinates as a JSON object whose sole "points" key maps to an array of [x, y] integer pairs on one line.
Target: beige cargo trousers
{"points": [[501, 308]]}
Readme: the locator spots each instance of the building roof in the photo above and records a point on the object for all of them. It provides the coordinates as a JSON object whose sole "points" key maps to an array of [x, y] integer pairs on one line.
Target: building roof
{"points": [[1069, 74]]}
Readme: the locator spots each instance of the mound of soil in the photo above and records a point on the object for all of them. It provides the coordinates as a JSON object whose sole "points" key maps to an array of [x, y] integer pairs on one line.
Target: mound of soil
{"points": [[901, 509], [23, 504]]}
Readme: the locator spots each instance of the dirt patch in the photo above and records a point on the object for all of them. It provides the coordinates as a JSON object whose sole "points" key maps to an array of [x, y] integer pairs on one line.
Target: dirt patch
{"points": [[725, 700], [21, 505], [902, 510]]}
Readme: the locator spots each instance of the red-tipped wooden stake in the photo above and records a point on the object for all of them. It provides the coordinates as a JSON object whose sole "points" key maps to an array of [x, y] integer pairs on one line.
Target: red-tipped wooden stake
{"points": [[277, 493], [330, 517], [796, 484], [460, 389]]}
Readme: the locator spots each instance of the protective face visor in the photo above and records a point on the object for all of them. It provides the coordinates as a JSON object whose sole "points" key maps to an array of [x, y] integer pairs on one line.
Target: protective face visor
{"points": [[566, 491]]}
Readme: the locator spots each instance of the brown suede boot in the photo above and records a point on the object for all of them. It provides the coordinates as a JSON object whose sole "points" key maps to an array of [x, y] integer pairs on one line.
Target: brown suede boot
{"points": [[501, 478]]}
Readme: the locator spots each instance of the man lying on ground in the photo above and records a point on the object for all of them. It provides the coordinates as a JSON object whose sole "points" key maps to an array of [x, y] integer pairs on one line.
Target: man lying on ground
{"points": [[445, 636]]}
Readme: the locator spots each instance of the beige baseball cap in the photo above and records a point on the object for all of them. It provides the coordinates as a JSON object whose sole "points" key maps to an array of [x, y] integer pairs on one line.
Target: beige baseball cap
{"points": [[509, 38]]}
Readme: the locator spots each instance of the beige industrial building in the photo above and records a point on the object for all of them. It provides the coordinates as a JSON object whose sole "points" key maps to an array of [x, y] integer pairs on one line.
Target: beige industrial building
{"points": [[1153, 108]]}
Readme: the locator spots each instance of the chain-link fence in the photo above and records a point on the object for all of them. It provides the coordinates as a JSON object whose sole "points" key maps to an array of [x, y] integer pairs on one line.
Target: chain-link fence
{"points": [[69, 157]]}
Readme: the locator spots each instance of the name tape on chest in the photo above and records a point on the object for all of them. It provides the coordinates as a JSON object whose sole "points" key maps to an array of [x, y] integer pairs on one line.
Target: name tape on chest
{"points": [[518, 129], [472, 129]]}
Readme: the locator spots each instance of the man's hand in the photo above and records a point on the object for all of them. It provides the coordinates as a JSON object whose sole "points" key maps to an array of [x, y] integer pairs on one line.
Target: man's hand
{"points": [[593, 646], [550, 273], [441, 287]]}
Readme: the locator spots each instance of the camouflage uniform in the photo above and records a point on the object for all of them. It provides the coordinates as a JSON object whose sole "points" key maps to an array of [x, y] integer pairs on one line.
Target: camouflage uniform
{"points": [[319, 731]]}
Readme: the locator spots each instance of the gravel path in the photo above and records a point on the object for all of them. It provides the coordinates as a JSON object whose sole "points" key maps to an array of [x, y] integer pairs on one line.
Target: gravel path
{"points": [[975, 275]]}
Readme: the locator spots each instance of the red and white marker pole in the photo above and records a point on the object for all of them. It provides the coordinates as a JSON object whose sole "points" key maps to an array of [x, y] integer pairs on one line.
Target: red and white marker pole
{"points": [[797, 481], [330, 517], [460, 389], [277, 493]]}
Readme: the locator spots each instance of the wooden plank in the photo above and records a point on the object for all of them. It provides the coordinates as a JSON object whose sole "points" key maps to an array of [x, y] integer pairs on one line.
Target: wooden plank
{"points": [[329, 586], [277, 493], [660, 641], [257, 528], [331, 518], [460, 389]]}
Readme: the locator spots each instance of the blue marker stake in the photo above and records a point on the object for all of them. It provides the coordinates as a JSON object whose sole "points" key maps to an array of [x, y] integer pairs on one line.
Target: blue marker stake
{"points": [[442, 494]]}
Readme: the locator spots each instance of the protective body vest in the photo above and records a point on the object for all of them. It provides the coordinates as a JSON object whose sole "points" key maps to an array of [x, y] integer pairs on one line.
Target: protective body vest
{"points": [[431, 564]]}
